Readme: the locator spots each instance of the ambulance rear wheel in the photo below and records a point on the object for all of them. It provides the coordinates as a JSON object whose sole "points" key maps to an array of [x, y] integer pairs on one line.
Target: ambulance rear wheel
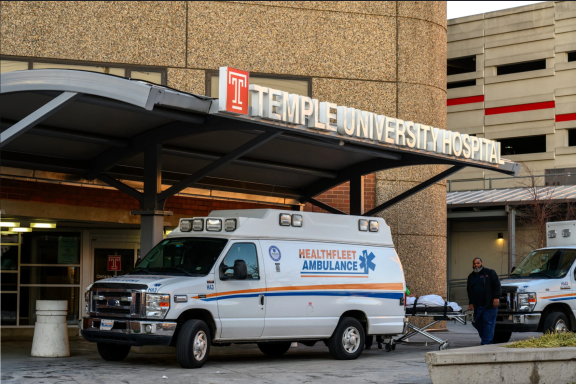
{"points": [[347, 341], [274, 349], [113, 352]]}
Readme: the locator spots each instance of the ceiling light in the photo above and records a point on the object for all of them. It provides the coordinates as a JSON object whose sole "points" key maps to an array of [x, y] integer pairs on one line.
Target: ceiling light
{"points": [[42, 225], [21, 229], [9, 224]]}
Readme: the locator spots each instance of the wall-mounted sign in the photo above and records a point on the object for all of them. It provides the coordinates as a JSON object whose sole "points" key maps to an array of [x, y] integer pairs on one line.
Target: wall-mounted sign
{"points": [[114, 263], [307, 113], [68, 250]]}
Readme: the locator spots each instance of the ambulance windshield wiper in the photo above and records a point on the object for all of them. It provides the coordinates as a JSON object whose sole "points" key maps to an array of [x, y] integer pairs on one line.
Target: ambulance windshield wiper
{"points": [[543, 273], [179, 269]]}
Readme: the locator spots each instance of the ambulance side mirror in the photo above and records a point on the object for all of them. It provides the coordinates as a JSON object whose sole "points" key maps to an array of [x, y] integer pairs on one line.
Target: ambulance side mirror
{"points": [[240, 270]]}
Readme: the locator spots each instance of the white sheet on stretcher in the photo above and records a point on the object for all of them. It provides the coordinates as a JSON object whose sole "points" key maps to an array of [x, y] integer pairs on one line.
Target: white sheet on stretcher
{"points": [[431, 301]]}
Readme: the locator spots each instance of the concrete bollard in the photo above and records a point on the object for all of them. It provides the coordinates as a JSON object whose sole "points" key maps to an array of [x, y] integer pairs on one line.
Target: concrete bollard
{"points": [[51, 330]]}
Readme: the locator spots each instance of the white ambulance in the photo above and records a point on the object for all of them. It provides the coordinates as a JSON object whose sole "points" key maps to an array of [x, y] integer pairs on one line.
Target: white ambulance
{"points": [[254, 276], [540, 294]]}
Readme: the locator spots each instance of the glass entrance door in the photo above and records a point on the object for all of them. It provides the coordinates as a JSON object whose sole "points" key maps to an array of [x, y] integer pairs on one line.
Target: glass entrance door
{"points": [[113, 260]]}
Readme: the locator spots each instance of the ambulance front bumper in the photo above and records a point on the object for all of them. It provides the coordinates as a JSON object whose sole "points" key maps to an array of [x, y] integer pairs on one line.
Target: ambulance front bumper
{"points": [[518, 322], [128, 332]]}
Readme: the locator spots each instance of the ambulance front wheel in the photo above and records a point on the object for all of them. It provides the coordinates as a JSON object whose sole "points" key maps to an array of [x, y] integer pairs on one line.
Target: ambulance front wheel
{"points": [[113, 352], [347, 341], [193, 344]]}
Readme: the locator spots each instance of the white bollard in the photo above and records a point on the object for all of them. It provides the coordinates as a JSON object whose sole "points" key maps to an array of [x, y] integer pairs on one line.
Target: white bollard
{"points": [[51, 330]]}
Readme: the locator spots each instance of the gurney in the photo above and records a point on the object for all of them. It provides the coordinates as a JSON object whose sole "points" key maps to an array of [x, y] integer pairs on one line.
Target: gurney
{"points": [[438, 314]]}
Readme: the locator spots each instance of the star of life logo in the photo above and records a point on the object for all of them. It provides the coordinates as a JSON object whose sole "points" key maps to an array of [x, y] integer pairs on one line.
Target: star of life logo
{"points": [[337, 263], [233, 90]]}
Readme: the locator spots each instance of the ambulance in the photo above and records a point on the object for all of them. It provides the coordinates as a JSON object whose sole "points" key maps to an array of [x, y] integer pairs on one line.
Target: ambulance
{"points": [[540, 294], [261, 276]]}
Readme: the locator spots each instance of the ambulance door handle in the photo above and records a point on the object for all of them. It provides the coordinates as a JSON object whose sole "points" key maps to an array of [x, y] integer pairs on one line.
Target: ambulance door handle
{"points": [[261, 300]]}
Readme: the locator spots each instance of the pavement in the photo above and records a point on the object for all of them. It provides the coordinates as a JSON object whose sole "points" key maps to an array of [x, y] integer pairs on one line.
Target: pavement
{"points": [[235, 364]]}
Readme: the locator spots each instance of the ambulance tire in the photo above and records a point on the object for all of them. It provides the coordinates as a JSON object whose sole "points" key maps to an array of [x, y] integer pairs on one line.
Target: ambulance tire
{"points": [[193, 344], [113, 352], [343, 349], [556, 322], [274, 349]]}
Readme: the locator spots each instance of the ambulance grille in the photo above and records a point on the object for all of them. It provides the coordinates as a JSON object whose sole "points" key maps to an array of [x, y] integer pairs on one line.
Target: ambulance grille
{"points": [[116, 303]]}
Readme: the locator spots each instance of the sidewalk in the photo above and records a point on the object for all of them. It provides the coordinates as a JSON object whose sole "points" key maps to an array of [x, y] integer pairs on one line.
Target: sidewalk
{"points": [[235, 364]]}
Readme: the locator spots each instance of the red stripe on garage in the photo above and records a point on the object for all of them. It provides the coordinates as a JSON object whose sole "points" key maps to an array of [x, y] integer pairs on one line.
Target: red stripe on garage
{"points": [[566, 117], [465, 100], [519, 108]]}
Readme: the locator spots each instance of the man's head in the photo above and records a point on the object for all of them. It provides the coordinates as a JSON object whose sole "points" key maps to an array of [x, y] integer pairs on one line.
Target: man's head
{"points": [[477, 264]]}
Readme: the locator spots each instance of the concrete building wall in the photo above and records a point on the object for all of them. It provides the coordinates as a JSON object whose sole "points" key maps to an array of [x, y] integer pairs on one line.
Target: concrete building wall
{"points": [[537, 102], [384, 57]]}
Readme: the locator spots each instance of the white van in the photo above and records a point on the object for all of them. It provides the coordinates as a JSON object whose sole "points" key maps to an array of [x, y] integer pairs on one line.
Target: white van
{"points": [[259, 276], [540, 294]]}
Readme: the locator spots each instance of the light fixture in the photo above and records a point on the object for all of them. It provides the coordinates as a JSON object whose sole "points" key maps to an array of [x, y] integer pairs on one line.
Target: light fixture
{"points": [[21, 229], [9, 224], [285, 219], [42, 225], [566, 233], [213, 225], [363, 225], [552, 233], [500, 236], [373, 226], [185, 226], [296, 220], [198, 224], [230, 225]]}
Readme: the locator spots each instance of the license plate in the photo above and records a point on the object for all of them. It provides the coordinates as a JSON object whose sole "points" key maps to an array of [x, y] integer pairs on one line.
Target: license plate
{"points": [[106, 325]]}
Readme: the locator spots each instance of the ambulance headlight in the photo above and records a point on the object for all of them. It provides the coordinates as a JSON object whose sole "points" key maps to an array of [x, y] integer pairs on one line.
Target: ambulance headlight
{"points": [[373, 226], [230, 225], [214, 225], [296, 220], [363, 225], [87, 302], [157, 305], [285, 219], [526, 301], [198, 224], [185, 226]]}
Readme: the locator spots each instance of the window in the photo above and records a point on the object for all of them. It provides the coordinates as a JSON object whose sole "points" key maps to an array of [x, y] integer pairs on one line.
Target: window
{"points": [[522, 145], [156, 76], [461, 65], [572, 137], [460, 84], [546, 263], [246, 252], [521, 67], [299, 86], [572, 56]]}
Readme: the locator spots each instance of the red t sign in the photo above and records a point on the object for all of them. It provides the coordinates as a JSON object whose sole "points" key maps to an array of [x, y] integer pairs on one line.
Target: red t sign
{"points": [[114, 263], [234, 88]]}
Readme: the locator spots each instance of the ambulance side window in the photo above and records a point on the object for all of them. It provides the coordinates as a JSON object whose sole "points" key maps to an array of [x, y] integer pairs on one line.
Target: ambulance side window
{"points": [[246, 252]]}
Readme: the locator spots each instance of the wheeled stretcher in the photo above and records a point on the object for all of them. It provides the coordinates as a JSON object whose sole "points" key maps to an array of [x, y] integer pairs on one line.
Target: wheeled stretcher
{"points": [[437, 313]]}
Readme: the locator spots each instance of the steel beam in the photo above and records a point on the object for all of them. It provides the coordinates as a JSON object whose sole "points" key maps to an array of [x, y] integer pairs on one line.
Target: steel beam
{"points": [[326, 207], [139, 142], [198, 175], [182, 152], [414, 190], [356, 195], [37, 116], [121, 186]]}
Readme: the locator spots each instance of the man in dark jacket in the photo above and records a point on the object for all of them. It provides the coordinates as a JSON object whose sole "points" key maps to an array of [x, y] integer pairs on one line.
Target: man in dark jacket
{"points": [[484, 297]]}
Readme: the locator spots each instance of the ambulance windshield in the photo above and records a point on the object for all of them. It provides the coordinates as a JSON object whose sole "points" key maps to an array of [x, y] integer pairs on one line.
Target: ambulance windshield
{"points": [[546, 263], [182, 256]]}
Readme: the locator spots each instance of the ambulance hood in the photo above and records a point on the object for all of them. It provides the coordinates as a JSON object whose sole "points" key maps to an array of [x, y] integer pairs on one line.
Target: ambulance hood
{"points": [[534, 285], [156, 283]]}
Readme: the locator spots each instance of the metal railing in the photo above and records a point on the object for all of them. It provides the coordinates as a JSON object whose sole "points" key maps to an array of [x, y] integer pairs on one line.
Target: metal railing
{"points": [[537, 180]]}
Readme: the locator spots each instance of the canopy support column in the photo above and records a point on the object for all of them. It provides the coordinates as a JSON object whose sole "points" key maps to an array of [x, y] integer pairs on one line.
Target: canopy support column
{"points": [[356, 195], [511, 237]]}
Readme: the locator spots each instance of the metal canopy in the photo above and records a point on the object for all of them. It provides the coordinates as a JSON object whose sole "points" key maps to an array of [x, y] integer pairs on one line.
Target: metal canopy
{"points": [[101, 126]]}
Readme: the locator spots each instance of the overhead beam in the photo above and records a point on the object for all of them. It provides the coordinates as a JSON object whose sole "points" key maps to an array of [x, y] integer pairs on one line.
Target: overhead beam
{"points": [[238, 152], [326, 207], [182, 152], [43, 163], [138, 143], [433, 180], [121, 186], [67, 134], [37, 116]]}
